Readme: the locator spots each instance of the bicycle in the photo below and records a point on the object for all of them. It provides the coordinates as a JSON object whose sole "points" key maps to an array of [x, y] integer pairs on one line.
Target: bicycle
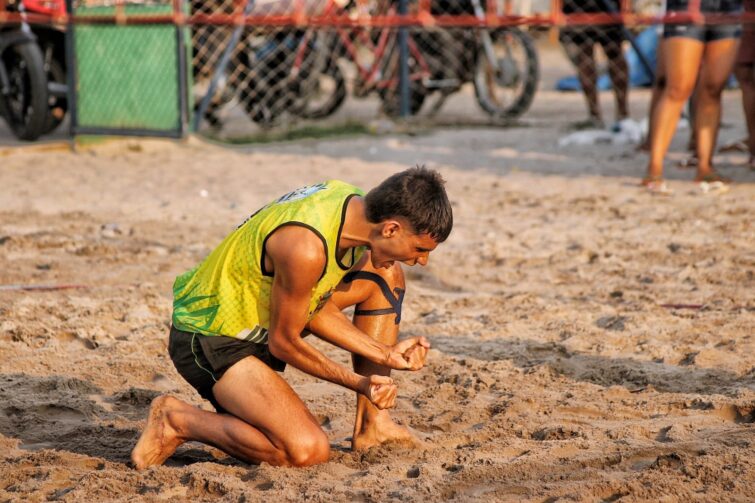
{"points": [[375, 59], [502, 65]]}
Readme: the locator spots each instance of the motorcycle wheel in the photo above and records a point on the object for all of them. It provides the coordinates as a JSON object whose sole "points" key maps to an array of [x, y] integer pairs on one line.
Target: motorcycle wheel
{"points": [[506, 88], [27, 96], [328, 94], [57, 105]]}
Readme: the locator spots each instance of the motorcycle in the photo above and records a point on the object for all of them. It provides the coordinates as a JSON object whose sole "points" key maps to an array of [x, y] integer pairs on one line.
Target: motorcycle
{"points": [[259, 75], [32, 72], [23, 83], [266, 89], [51, 41]]}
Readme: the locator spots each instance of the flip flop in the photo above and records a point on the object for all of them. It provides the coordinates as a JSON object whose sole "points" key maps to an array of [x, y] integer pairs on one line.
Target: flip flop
{"points": [[656, 185], [735, 146], [713, 183], [713, 187]]}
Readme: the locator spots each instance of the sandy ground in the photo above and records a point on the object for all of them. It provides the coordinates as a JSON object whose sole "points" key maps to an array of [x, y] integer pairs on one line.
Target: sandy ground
{"points": [[592, 342]]}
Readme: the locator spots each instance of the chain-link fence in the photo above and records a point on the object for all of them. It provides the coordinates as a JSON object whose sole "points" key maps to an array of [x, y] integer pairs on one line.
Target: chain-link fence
{"points": [[258, 65], [280, 76]]}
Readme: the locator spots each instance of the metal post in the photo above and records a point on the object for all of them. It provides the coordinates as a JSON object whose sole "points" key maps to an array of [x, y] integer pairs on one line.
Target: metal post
{"points": [[71, 78], [220, 69], [183, 91], [403, 81]]}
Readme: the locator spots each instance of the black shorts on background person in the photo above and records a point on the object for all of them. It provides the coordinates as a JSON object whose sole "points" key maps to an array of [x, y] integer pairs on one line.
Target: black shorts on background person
{"points": [[579, 42]]}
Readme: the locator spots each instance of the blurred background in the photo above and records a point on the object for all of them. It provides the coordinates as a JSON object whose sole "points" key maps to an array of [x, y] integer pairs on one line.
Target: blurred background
{"points": [[241, 71]]}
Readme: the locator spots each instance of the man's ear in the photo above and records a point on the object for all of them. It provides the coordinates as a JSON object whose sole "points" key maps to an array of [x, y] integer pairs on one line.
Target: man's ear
{"points": [[391, 228]]}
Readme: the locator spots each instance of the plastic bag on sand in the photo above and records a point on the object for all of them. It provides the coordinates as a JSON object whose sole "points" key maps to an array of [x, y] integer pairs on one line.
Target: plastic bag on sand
{"points": [[624, 132]]}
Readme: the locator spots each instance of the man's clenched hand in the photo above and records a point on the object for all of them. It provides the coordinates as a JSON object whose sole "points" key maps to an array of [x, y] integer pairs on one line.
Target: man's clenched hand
{"points": [[408, 354], [380, 390]]}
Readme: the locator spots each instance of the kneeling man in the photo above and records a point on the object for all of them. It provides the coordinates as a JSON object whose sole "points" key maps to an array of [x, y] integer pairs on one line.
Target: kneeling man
{"points": [[290, 269]]}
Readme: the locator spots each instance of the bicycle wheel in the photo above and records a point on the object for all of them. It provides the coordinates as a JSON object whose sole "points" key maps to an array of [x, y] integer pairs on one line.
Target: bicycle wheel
{"points": [[505, 87], [327, 95], [27, 94], [322, 86], [390, 92]]}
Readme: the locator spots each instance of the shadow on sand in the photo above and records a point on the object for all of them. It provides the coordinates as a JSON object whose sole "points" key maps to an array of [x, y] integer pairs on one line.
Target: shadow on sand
{"points": [[69, 414], [633, 374]]}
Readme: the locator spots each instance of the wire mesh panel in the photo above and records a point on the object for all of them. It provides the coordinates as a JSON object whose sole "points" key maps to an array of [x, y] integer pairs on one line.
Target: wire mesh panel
{"points": [[281, 75], [258, 65], [128, 79], [272, 70]]}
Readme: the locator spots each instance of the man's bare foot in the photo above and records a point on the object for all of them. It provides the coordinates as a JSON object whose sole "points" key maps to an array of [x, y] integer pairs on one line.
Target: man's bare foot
{"points": [[381, 430], [160, 438]]}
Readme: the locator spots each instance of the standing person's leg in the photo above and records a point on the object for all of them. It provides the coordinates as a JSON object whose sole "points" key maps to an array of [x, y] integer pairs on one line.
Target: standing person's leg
{"points": [[377, 295], [617, 69], [746, 76], [580, 50], [682, 56], [718, 61], [745, 73], [265, 421], [659, 82], [691, 161], [691, 114]]}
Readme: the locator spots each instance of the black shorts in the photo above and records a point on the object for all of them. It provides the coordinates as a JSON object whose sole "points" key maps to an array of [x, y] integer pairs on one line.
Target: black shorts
{"points": [[706, 5], [589, 35], [708, 32], [202, 360]]}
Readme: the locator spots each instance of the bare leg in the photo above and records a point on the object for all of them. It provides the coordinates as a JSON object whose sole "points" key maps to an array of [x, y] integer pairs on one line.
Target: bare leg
{"points": [[619, 72], [583, 58], [373, 426], [682, 58], [267, 422], [658, 84], [718, 62], [692, 113], [746, 77]]}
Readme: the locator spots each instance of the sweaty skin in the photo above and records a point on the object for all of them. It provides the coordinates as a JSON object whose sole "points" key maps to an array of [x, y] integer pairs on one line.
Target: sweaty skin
{"points": [[266, 419], [372, 426], [159, 439]]}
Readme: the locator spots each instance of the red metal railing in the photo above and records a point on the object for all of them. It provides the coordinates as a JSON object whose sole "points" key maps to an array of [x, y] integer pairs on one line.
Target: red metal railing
{"points": [[421, 16]]}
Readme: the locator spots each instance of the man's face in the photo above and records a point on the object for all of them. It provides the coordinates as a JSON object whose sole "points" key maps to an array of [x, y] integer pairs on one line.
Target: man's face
{"points": [[398, 243]]}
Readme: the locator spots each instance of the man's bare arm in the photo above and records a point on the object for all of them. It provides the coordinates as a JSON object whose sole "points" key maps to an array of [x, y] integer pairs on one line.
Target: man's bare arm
{"points": [[331, 325], [298, 259]]}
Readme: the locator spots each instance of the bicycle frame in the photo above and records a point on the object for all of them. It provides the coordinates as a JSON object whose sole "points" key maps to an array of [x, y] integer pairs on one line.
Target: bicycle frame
{"points": [[370, 74]]}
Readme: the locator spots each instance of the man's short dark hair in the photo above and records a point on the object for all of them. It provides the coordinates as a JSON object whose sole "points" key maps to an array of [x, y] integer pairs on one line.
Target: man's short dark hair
{"points": [[418, 195]]}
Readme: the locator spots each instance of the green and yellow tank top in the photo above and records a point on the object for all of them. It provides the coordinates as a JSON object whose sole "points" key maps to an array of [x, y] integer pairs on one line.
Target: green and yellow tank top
{"points": [[229, 292]]}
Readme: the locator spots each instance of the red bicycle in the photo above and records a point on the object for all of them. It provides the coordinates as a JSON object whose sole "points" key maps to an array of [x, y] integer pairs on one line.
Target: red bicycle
{"points": [[502, 64], [374, 55]]}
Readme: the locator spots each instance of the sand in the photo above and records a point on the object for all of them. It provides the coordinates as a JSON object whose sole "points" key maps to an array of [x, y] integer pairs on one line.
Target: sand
{"points": [[591, 342]]}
